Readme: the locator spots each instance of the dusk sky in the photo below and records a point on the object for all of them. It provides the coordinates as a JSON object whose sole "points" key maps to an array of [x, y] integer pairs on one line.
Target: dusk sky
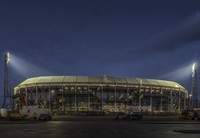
{"points": [[156, 39]]}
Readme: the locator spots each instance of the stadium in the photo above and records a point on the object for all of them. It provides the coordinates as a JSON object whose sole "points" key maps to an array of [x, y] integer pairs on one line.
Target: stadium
{"points": [[84, 94]]}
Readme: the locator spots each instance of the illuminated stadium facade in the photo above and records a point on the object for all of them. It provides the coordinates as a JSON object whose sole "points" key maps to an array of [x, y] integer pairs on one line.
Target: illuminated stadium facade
{"points": [[76, 94]]}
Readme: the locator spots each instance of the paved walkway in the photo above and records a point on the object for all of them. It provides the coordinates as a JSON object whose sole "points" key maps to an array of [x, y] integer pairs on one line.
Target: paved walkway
{"points": [[104, 118]]}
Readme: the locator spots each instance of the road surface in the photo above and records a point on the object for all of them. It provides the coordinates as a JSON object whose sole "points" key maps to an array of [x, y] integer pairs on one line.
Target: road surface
{"points": [[100, 128]]}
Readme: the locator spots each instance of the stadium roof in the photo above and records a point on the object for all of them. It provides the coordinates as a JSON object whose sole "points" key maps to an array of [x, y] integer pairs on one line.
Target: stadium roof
{"points": [[99, 80]]}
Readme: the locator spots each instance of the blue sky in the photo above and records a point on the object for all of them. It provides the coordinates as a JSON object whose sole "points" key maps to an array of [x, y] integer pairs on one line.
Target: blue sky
{"points": [[141, 38]]}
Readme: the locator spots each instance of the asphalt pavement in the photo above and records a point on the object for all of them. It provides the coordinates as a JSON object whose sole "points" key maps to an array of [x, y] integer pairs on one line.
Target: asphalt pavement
{"points": [[102, 127]]}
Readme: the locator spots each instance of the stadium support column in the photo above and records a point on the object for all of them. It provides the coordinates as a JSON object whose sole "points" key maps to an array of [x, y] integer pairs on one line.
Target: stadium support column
{"points": [[151, 99], [171, 100], [88, 102], [26, 100], [184, 101], [88, 87], [161, 106], [20, 98], [36, 97], [101, 98], [115, 100], [127, 98], [49, 98], [75, 104], [140, 86], [62, 103], [179, 100]]}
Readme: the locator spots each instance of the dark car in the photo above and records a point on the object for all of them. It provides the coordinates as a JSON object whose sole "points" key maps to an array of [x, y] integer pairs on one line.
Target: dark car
{"points": [[120, 116], [134, 116], [129, 116], [190, 115], [44, 117]]}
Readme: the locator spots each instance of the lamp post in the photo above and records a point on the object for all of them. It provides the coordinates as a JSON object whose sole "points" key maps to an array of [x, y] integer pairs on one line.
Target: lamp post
{"points": [[7, 103], [194, 97]]}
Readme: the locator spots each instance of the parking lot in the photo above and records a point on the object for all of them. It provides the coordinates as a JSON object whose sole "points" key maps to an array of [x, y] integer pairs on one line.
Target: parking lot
{"points": [[101, 127]]}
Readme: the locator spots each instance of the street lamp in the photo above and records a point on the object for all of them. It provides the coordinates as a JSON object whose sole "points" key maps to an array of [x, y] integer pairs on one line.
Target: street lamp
{"points": [[7, 57], [193, 69], [190, 95]]}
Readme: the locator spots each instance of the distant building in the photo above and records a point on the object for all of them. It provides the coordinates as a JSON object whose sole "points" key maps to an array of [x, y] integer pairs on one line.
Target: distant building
{"points": [[77, 94]]}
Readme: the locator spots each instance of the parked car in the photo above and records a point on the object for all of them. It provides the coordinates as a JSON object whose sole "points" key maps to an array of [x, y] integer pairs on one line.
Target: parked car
{"points": [[44, 117], [129, 116], [190, 115], [120, 116], [134, 116]]}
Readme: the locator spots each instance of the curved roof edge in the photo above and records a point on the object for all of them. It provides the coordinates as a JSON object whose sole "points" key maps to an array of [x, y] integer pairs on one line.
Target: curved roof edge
{"points": [[99, 80]]}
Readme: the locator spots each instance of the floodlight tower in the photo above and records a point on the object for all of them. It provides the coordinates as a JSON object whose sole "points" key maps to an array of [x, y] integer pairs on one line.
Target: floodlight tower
{"points": [[194, 87], [7, 103]]}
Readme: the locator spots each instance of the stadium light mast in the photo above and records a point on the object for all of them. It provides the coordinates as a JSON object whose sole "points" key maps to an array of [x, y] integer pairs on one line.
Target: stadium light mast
{"points": [[194, 87], [7, 103]]}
